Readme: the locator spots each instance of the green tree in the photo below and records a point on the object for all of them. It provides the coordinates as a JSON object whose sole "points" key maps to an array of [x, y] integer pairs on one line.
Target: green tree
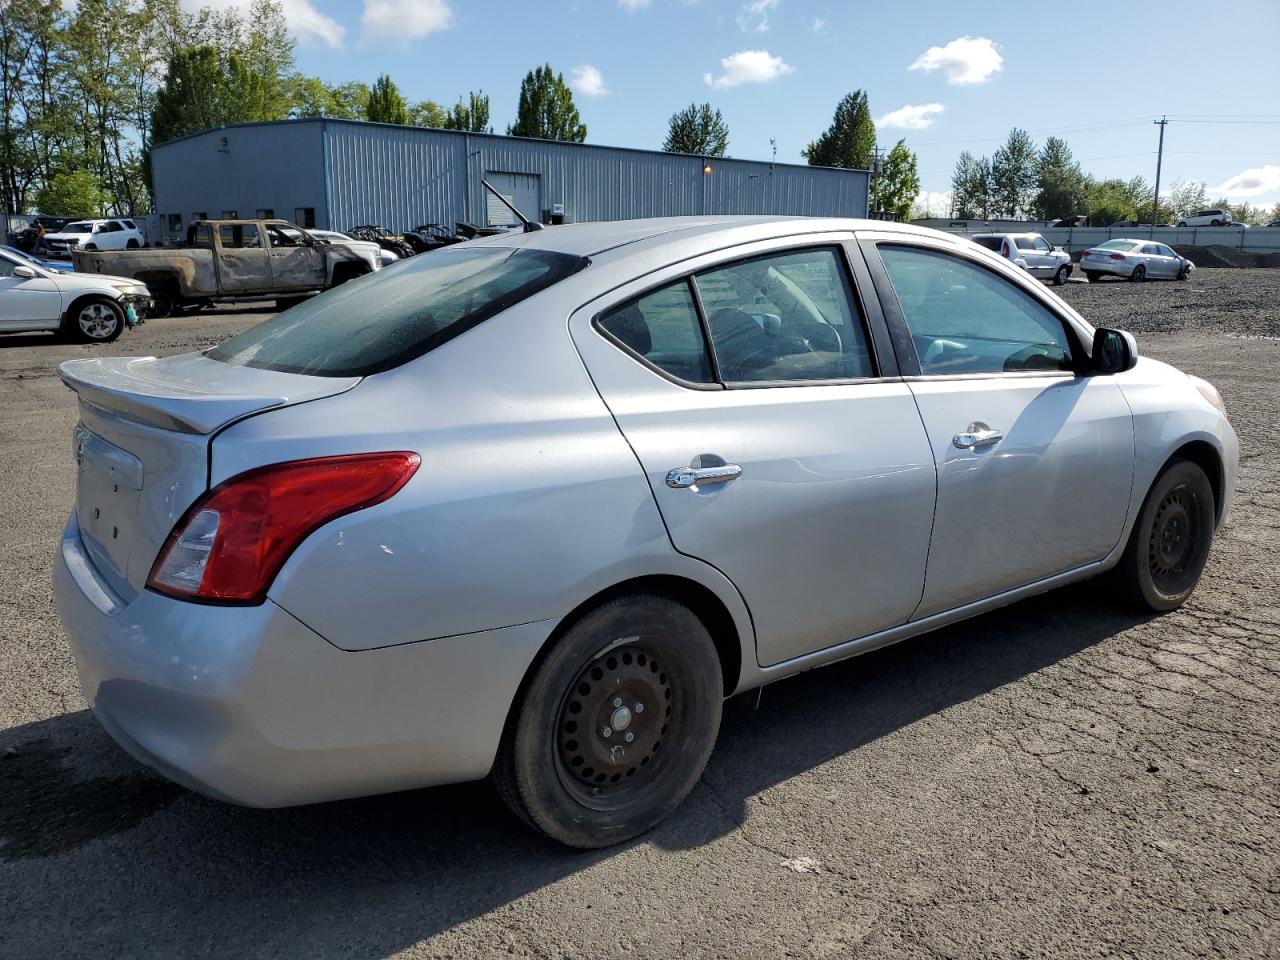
{"points": [[698, 128], [1013, 175], [385, 103], [472, 116], [76, 193], [1274, 215], [546, 110], [202, 91], [895, 188], [850, 141], [426, 113], [1112, 200], [1062, 188], [971, 187]]}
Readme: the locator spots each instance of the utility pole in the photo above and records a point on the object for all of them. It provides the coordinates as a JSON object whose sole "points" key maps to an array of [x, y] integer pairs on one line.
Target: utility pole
{"points": [[1155, 212]]}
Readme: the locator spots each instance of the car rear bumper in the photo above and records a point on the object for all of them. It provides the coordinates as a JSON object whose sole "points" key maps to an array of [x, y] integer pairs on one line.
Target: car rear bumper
{"points": [[248, 704]]}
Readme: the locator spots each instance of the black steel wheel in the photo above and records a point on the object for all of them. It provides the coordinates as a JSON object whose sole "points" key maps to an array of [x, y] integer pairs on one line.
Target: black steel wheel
{"points": [[1139, 274], [615, 723], [1171, 540]]}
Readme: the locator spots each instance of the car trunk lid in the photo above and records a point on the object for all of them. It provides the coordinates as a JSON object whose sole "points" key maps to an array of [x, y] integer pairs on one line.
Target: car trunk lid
{"points": [[142, 445]]}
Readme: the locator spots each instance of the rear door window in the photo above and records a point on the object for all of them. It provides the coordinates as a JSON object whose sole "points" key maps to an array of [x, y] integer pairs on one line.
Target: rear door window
{"points": [[239, 236], [991, 243], [391, 317], [785, 316]]}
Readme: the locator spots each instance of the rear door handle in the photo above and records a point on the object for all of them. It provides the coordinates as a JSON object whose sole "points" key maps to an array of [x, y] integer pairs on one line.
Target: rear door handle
{"points": [[978, 434], [682, 477]]}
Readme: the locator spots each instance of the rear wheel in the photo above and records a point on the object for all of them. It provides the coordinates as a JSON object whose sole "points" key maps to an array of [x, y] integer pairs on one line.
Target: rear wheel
{"points": [[95, 320], [1139, 274], [1182, 223], [615, 724], [131, 245], [1093, 276], [1170, 542], [1215, 223], [1060, 277]]}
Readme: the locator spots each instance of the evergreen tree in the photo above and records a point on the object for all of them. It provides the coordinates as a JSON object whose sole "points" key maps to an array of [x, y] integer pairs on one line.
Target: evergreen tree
{"points": [[546, 110], [1013, 174], [697, 129], [1062, 188], [850, 141], [971, 187]]}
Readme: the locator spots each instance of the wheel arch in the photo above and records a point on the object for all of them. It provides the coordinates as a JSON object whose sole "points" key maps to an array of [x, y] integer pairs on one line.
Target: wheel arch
{"points": [[1206, 456], [69, 314]]}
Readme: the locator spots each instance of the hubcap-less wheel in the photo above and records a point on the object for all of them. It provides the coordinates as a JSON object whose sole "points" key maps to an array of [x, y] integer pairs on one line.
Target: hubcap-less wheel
{"points": [[1174, 535], [98, 321], [615, 722], [1171, 539], [612, 725]]}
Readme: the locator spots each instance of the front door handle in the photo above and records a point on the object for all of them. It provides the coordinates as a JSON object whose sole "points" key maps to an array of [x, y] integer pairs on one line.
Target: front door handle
{"points": [[978, 434], [694, 477]]}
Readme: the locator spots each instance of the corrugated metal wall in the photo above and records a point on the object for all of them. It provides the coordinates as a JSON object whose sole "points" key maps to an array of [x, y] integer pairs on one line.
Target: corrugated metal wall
{"points": [[278, 166], [403, 176], [356, 173]]}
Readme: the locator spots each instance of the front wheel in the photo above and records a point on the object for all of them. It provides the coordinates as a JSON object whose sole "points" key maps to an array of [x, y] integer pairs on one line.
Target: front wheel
{"points": [[615, 724], [1216, 223], [97, 320], [1184, 274], [1170, 542], [1060, 277], [1139, 274]]}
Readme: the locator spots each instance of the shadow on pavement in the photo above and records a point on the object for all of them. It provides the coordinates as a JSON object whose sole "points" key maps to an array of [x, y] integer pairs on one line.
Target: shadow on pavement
{"points": [[90, 837]]}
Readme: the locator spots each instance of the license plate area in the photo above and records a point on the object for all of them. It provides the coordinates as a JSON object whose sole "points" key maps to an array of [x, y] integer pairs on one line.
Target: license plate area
{"points": [[108, 483]]}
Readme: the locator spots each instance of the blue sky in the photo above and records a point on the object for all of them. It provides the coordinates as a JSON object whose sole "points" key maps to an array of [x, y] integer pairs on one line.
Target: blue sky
{"points": [[964, 72]]}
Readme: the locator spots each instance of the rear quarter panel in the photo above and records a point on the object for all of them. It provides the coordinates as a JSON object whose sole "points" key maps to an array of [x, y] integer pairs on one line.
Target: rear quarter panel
{"points": [[194, 270], [527, 503]]}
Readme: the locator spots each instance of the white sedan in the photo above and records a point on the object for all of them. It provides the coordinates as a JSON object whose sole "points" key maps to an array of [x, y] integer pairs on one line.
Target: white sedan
{"points": [[1135, 260], [86, 306]]}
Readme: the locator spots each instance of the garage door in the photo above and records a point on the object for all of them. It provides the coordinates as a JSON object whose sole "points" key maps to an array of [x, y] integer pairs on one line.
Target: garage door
{"points": [[522, 190]]}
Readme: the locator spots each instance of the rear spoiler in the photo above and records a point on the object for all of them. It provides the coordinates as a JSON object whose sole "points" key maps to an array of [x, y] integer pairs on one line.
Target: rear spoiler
{"points": [[190, 393]]}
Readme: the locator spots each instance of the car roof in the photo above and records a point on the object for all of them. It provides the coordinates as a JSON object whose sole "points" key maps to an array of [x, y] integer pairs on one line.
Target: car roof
{"points": [[693, 234]]}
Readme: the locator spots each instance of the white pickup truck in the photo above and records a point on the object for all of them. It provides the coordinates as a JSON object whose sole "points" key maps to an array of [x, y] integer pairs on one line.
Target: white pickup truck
{"points": [[227, 261]]}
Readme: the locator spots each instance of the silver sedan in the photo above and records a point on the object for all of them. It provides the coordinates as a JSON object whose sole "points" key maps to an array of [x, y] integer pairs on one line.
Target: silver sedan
{"points": [[1135, 260], [532, 506]]}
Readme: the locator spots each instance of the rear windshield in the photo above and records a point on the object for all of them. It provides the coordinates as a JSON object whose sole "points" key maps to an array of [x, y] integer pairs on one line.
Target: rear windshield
{"points": [[1116, 245], [991, 243], [388, 318]]}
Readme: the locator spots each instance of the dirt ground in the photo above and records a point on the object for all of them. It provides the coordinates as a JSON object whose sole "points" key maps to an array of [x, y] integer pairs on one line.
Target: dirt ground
{"points": [[1059, 779]]}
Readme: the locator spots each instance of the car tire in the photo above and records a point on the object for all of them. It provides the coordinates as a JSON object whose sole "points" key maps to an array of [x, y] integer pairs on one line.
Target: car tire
{"points": [[643, 666], [131, 245], [91, 246], [94, 320], [1182, 223], [1060, 277], [1184, 274], [1093, 276], [1139, 274], [1215, 223], [1171, 540]]}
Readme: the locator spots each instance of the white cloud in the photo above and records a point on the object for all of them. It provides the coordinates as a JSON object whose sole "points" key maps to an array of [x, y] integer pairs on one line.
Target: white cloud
{"points": [[933, 203], [631, 6], [911, 117], [966, 60], [748, 66], [588, 81], [754, 15], [1250, 183], [305, 22], [405, 19]]}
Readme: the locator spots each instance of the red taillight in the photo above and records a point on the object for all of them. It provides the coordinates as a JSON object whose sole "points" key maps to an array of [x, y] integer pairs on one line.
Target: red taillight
{"points": [[232, 542], [1117, 256], [1004, 249]]}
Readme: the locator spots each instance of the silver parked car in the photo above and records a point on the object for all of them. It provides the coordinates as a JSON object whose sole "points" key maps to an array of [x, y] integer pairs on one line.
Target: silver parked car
{"points": [[531, 506], [1030, 251], [1135, 260]]}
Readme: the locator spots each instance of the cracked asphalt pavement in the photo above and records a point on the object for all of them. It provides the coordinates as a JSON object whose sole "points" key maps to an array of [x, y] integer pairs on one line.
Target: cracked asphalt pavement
{"points": [[1058, 779]]}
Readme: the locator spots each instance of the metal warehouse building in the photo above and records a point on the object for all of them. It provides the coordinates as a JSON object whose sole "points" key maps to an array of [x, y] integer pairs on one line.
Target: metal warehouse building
{"points": [[337, 174]]}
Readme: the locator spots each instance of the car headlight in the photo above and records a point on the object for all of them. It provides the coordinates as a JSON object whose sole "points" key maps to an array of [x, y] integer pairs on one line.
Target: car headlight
{"points": [[1210, 393], [130, 289]]}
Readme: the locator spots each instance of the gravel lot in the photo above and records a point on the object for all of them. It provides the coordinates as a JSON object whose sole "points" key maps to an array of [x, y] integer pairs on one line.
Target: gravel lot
{"points": [[1059, 779]]}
